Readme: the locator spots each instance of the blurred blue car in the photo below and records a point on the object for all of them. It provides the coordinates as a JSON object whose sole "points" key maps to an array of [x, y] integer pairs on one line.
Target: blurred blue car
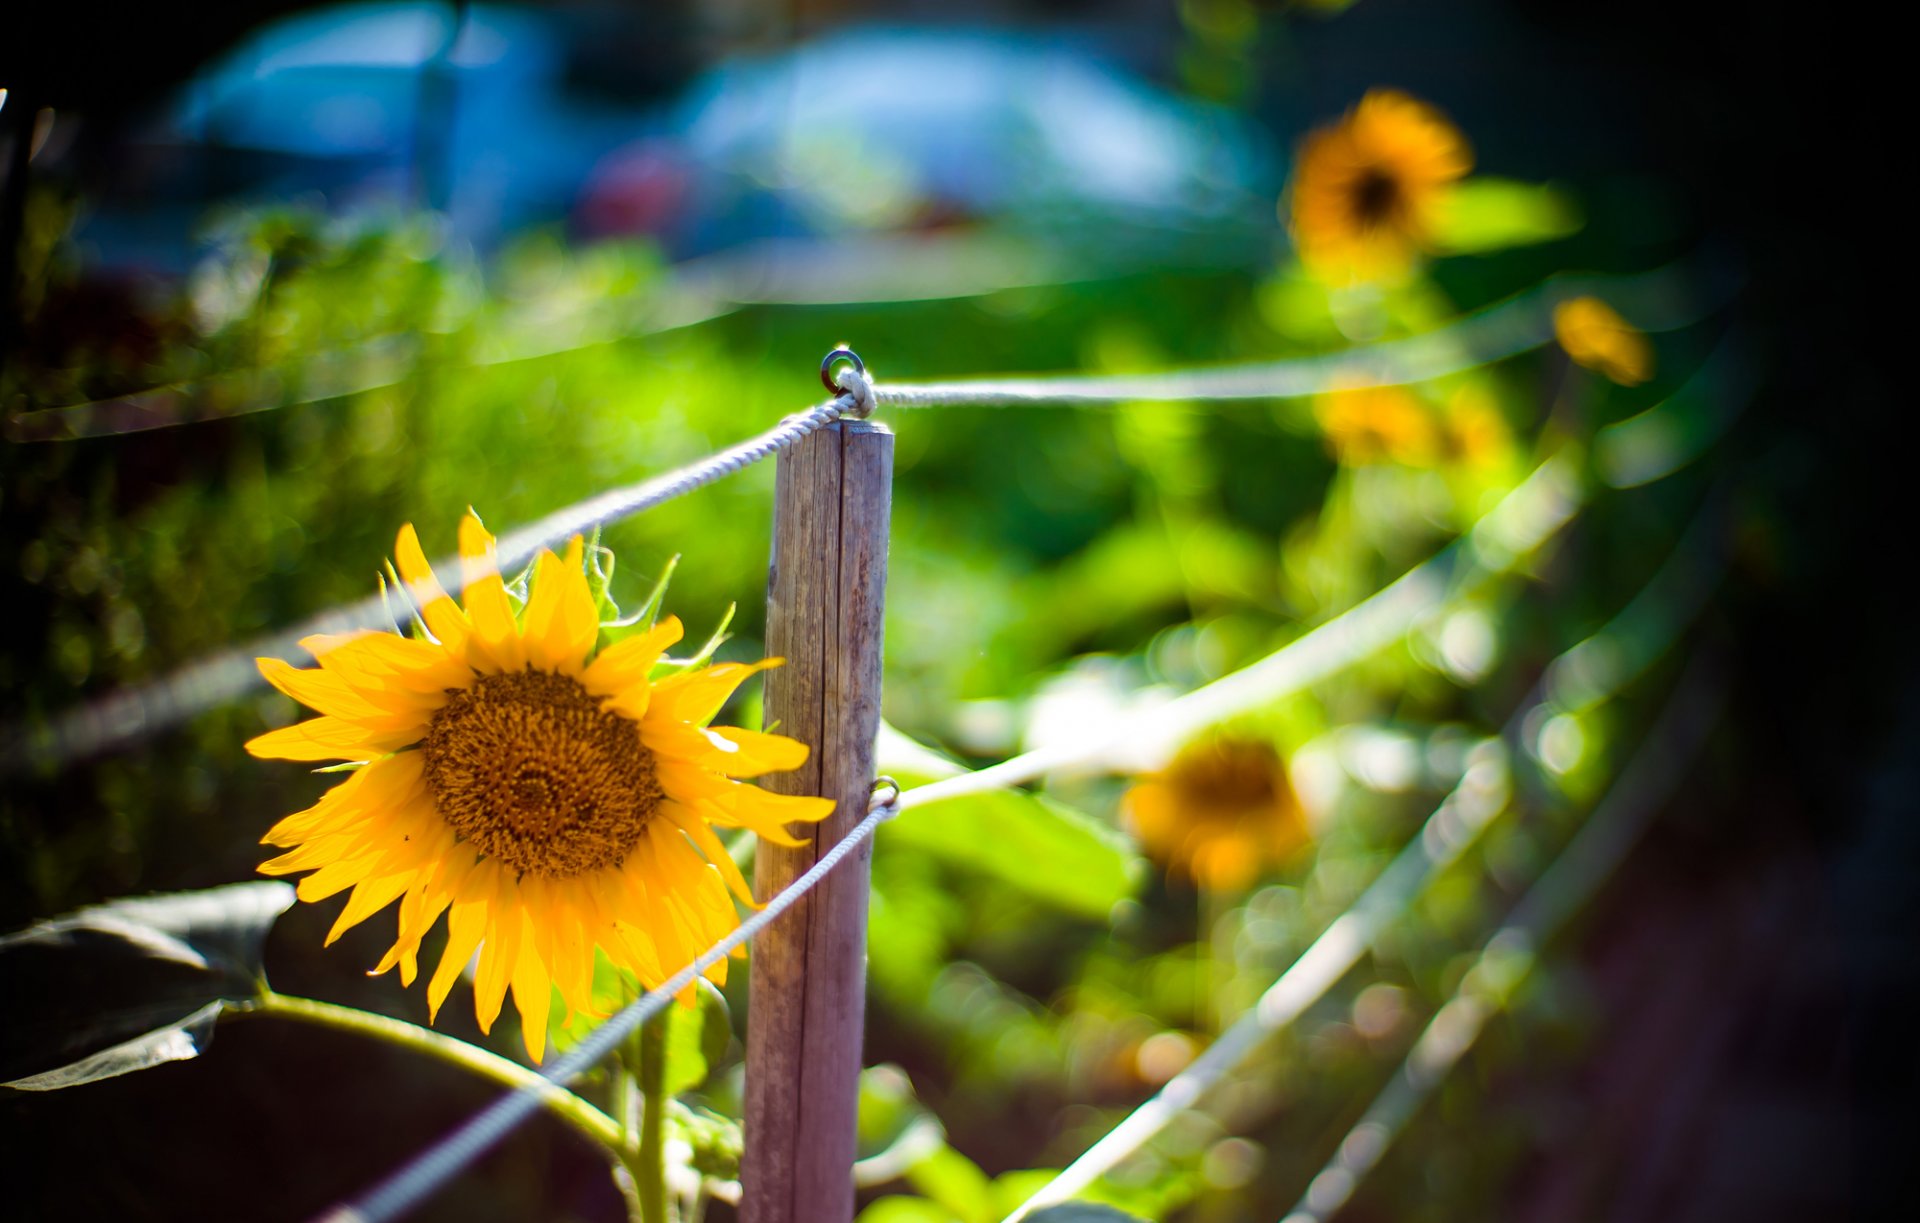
{"points": [[866, 129]]}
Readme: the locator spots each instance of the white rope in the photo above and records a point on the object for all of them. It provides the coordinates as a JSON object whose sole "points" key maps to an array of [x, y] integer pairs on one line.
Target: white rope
{"points": [[1493, 333], [420, 1176], [1505, 329], [1575, 876], [228, 674], [1648, 625], [1525, 518]]}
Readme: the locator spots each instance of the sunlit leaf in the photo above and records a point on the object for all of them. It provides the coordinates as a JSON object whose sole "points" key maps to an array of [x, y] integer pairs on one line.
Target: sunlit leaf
{"points": [[1490, 214], [1029, 841], [956, 1182], [906, 1210], [129, 984], [697, 1039]]}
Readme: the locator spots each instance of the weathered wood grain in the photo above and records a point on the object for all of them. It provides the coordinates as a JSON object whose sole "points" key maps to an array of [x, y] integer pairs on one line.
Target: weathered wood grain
{"points": [[826, 593]]}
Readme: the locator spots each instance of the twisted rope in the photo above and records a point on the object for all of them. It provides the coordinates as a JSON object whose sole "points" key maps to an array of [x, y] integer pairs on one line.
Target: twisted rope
{"points": [[1575, 876], [227, 674], [1638, 636]]}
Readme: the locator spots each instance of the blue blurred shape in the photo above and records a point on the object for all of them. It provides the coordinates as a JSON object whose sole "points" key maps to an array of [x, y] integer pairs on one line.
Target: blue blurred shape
{"points": [[878, 128], [476, 112]]}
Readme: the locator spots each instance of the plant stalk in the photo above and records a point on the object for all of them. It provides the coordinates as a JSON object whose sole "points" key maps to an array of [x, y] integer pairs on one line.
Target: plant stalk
{"points": [[652, 1165], [587, 1120]]}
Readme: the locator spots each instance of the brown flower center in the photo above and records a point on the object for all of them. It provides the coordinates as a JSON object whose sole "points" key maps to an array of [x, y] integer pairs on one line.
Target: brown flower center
{"points": [[1376, 197], [1228, 779], [528, 768]]}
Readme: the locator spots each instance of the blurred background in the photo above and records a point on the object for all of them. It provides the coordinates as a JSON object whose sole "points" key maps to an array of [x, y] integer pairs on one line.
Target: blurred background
{"points": [[282, 276]]}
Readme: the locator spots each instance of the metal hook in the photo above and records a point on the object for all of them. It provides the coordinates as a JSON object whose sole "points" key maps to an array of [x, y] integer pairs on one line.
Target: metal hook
{"points": [[842, 353], [887, 783]]}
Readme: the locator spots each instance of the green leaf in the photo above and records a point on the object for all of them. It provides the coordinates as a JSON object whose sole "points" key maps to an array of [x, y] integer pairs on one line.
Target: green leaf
{"points": [[1491, 214], [715, 1139], [697, 1039], [129, 984], [956, 1182], [1103, 1201], [1042, 847], [906, 1210]]}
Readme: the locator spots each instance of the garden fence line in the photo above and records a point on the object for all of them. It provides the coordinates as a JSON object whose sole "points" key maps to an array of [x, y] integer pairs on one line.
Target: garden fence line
{"points": [[1523, 520], [1548, 504], [1446, 834], [1506, 329], [411, 1183], [1637, 637], [1657, 299], [1506, 958]]}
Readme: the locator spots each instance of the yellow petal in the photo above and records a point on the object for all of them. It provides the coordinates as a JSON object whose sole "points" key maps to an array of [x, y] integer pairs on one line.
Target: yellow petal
{"points": [[709, 844], [326, 738], [432, 891], [466, 925], [621, 670], [627, 946], [500, 953], [385, 784], [695, 696], [663, 921], [562, 623], [532, 994], [444, 620], [369, 897], [726, 749], [399, 668], [495, 644], [336, 877]]}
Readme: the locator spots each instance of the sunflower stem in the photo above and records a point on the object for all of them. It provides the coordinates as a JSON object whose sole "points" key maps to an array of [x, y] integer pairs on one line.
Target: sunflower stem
{"points": [[652, 1169], [587, 1120]]}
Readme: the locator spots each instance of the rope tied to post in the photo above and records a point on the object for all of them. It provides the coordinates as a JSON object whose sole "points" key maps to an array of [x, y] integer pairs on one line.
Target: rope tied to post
{"points": [[849, 379]]}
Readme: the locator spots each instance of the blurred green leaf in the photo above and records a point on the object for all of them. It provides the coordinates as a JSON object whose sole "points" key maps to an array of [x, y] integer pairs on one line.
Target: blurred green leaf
{"points": [[1106, 1201], [1043, 847], [129, 984], [906, 1210], [697, 1039], [895, 1130], [1490, 214], [956, 1182], [715, 1139]]}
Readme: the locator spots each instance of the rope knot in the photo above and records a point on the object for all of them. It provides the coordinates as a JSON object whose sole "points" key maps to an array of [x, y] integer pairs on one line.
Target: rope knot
{"points": [[850, 379]]}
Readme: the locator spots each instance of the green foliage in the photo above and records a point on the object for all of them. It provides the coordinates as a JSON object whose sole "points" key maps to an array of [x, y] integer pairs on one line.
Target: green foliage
{"points": [[1033, 975], [698, 1038], [1486, 214], [1030, 842]]}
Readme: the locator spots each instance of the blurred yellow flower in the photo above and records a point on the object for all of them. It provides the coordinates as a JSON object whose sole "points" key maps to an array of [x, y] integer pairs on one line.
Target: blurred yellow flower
{"points": [[1595, 336], [1376, 425], [1368, 189], [1221, 813], [1477, 433], [548, 796]]}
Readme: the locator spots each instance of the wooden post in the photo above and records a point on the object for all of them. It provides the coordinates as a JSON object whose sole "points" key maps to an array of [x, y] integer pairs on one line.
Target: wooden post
{"points": [[826, 590]]}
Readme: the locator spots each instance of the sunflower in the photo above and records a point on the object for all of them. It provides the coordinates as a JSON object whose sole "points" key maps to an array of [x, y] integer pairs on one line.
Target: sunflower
{"points": [[550, 797], [1375, 425], [1594, 335], [1477, 435], [1219, 813], [1368, 190]]}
